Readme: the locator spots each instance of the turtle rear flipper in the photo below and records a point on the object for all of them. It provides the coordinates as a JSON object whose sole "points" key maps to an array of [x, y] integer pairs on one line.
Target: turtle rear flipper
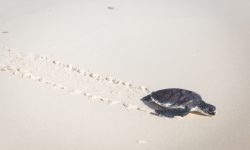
{"points": [[172, 112], [147, 98]]}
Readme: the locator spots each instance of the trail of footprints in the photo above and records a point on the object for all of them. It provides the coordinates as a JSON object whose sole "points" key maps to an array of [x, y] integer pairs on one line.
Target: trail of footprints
{"points": [[95, 76], [27, 66]]}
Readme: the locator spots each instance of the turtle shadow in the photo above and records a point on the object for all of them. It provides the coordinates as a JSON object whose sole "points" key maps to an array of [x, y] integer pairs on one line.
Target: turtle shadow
{"points": [[197, 113]]}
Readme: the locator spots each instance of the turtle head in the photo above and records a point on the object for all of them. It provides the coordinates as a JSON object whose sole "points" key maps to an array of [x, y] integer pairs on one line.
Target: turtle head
{"points": [[207, 109]]}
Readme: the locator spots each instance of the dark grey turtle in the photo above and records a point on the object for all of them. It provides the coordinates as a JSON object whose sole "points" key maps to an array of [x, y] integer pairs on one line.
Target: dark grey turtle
{"points": [[179, 102]]}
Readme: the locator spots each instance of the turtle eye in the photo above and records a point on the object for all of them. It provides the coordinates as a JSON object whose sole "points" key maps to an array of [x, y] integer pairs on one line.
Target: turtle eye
{"points": [[210, 109]]}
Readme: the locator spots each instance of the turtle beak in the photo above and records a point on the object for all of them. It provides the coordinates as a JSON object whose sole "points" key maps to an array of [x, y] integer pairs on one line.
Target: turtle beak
{"points": [[212, 113]]}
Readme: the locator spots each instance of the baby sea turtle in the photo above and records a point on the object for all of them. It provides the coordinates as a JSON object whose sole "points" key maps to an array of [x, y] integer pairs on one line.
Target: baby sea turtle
{"points": [[179, 102]]}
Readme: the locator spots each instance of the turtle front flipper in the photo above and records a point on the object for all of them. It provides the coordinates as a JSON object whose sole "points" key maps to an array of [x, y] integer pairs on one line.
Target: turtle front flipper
{"points": [[172, 112]]}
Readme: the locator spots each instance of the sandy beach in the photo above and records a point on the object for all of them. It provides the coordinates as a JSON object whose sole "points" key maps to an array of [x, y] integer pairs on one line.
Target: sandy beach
{"points": [[72, 73]]}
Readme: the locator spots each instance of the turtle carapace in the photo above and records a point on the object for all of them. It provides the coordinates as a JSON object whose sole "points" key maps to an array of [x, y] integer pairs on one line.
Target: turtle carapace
{"points": [[179, 102]]}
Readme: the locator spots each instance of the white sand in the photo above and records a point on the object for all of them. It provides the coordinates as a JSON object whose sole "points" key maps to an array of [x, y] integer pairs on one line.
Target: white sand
{"points": [[62, 52]]}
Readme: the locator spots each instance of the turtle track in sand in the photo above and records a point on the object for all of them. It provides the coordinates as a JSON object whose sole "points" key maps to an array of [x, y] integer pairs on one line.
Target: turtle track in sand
{"points": [[74, 80]]}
